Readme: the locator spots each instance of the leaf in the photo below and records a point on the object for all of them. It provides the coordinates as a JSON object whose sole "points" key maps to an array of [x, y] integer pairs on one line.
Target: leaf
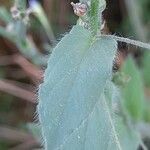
{"points": [[146, 68], [70, 110], [133, 91], [127, 135]]}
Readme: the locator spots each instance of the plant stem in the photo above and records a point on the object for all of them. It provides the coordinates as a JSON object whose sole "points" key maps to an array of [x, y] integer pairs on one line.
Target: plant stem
{"points": [[135, 17], [94, 16], [129, 41]]}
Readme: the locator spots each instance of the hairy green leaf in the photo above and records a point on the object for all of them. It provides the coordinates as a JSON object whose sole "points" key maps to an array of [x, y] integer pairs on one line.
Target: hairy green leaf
{"points": [[72, 111]]}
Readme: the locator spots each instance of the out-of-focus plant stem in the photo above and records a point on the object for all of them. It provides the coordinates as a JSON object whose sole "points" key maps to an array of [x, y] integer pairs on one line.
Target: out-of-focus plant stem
{"points": [[10, 88], [40, 14], [25, 45], [134, 13], [30, 69]]}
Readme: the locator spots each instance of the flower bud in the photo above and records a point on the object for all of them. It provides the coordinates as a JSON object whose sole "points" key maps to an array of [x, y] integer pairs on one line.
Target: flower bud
{"points": [[80, 9]]}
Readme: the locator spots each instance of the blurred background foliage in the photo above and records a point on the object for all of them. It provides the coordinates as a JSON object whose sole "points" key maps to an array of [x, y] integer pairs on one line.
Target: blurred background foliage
{"points": [[27, 41]]}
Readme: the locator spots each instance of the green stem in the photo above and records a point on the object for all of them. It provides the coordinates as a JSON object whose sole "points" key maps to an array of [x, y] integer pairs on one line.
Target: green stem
{"points": [[95, 16], [96, 8], [128, 41]]}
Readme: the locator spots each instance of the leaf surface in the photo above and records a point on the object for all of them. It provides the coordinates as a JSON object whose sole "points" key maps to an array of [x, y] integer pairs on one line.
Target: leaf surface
{"points": [[72, 113], [146, 68]]}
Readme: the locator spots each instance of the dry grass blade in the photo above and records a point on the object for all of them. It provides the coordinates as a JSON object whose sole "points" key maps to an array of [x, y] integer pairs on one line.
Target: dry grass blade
{"points": [[12, 89], [31, 70]]}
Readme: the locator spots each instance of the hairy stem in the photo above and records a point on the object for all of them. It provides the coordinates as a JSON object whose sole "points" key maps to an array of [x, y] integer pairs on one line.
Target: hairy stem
{"points": [[129, 41], [95, 16]]}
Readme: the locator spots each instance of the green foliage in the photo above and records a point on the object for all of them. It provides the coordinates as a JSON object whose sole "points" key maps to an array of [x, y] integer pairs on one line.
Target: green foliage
{"points": [[147, 111], [16, 31], [80, 107], [72, 97], [127, 136], [133, 91], [146, 68], [94, 14]]}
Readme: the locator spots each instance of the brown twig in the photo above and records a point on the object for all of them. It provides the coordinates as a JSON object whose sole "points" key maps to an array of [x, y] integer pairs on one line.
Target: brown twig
{"points": [[25, 86], [13, 135], [33, 71], [63, 11], [12, 89], [28, 67], [15, 73]]}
